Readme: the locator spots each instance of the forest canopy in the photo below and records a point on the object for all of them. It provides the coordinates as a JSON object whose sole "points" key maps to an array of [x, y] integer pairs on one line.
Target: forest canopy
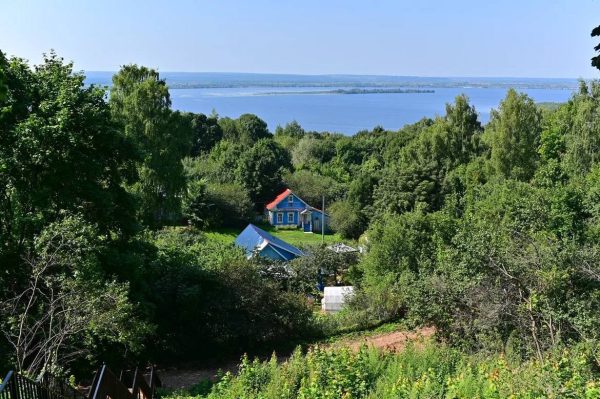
{"points": [[489, 233]]}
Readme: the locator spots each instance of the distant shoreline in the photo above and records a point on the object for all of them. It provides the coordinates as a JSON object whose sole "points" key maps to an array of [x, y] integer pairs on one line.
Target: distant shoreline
{"points": [[203, 80], [418, 86], [348, 91]]}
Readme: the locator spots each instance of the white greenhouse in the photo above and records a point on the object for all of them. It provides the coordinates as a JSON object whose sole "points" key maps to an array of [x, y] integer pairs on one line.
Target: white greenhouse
{"points": [[334, 298]]}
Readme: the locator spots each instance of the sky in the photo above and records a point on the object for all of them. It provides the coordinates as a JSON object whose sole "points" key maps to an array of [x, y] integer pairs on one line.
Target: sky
{"points": [[503, 38]]}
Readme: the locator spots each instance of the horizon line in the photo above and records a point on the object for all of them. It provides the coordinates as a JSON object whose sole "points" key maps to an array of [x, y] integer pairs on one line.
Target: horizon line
{"points": [[358, 75]]}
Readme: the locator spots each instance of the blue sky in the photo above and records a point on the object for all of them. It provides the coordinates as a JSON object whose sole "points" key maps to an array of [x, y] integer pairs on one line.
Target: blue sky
{"points": [[524, 38]]}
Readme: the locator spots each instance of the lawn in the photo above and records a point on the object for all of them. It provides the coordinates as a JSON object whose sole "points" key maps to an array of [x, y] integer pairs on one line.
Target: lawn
{"points": [[295, 237]]}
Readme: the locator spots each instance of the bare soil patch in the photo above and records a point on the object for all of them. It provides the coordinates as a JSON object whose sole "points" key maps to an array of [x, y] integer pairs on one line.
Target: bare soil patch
{"points": [[393, 341], [185, 378]]}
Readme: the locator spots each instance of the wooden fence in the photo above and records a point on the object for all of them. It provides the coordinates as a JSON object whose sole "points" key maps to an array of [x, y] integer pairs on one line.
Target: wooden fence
{"points": [[104, 386]]}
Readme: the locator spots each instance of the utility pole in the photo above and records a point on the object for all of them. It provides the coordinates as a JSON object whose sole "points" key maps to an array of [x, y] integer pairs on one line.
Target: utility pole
{"points": [[323, 222]]}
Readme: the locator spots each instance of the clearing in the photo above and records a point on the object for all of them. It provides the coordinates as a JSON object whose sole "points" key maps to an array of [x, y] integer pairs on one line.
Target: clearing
{"points": [[295, 237]]}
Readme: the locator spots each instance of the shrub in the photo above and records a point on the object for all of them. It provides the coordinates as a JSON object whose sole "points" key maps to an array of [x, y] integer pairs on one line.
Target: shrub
{"points": [[433, 371], [347, 219], [217, 205], [208, 300]]}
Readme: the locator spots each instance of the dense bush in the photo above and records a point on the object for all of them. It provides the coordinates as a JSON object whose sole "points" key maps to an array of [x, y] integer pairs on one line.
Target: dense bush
{"points": [[208, 206], [207, 300], [320, 263], [512, 268], [431, 372], [347, 219]]}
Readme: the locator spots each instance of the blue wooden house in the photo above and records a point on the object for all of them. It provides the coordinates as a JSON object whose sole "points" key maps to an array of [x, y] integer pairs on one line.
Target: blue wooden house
{"points": [[255, 241], [289, 210]]}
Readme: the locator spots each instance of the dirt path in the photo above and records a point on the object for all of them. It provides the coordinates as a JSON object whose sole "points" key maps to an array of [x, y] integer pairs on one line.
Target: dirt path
{"points": [[185, 378], [393, 341]]}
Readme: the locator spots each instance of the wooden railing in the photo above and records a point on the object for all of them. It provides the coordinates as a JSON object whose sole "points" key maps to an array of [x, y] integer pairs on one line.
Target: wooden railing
{"points": [[104, 386]]}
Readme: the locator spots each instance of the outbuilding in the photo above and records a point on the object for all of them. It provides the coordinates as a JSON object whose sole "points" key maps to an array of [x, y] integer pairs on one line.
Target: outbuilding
{"points": [[334, 298], [256, 241]]}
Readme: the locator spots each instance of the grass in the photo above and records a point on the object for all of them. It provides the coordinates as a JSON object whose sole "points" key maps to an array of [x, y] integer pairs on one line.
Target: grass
{"points": [[224, 234], [295, 237]]}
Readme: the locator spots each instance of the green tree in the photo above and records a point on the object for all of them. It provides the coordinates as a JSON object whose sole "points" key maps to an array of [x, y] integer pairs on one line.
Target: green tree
{"points": [[581, 122], [206, 133], [347, 219], [289, 135], [513, 135], [221, 163], [463, 131], [596, 59], [312, 186], [3, 88], [291, 129], [217, 205], [239, 307], [140, 103], [59, 150], [230, 129], [418, 178], [261, 170], [312, 151], [251, 129], [75, 304]]}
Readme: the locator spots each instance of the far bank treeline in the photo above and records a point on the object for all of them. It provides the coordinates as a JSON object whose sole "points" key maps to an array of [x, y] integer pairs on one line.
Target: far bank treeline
{"points": [[489, 233]]}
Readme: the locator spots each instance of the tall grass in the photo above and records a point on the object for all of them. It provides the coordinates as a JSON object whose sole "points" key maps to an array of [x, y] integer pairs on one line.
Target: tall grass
{"points": [[432, 371]]}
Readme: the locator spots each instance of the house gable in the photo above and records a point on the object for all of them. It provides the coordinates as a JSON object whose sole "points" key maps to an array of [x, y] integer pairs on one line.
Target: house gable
{"points": [[287, 201]]}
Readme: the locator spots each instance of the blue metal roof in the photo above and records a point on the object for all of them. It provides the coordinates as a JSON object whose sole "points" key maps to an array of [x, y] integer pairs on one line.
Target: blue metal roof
{"points": [[253, 239]]}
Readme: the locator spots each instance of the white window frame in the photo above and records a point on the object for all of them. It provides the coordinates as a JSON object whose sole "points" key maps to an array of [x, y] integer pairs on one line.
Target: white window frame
{"points": [[279, 217], [291, 199], [290, 220]]}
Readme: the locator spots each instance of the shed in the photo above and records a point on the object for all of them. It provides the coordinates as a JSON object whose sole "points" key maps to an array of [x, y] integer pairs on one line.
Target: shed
{"points": [[256, 241]]}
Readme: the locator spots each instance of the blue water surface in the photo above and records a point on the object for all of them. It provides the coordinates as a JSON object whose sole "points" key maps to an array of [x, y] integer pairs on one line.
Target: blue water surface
{"points": [[344, 113], [233, 94]]}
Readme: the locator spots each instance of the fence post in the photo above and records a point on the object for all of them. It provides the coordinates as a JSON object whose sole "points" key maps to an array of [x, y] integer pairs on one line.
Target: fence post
{"points": [[12, 385]]}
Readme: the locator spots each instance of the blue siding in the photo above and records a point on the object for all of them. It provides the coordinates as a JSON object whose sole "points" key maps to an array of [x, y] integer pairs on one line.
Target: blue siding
{"points": [[285, 206], [294, 218], [296, 206], [316, 218], [284, 219]]}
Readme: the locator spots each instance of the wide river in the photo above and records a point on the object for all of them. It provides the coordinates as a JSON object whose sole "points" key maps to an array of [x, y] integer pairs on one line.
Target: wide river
{"points": [[344, 113], [279, 99]]}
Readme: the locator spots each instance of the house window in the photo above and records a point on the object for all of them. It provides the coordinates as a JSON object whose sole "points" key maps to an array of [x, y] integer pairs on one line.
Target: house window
{"points": [[290, 199], [279, 217], [290, 217]]}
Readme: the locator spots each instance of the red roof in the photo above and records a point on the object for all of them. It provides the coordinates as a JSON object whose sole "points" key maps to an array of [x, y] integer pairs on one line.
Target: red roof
{"points": [[278, 199]]}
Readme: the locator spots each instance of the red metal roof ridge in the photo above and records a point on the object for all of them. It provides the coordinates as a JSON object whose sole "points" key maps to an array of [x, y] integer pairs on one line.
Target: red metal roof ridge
{"points": [[278, 199]]}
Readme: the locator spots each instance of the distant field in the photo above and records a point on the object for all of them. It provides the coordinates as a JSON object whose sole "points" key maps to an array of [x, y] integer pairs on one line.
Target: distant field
{"points": [[295, 237]]}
